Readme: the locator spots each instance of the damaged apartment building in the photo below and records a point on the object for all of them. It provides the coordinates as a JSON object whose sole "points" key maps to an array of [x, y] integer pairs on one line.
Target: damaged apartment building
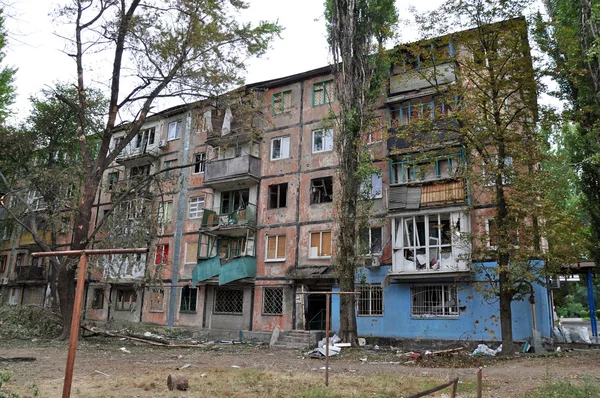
{"points": [[244, 221]]}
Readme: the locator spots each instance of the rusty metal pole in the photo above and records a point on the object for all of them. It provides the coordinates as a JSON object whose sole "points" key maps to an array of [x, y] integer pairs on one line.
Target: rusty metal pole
{"points": [[75, 320], [479, 383], [327, 298]]}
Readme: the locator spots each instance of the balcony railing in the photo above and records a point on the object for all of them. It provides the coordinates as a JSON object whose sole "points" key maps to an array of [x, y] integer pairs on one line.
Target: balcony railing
{"points": [[244, 216], [25, 273], [239, 168], [403, 197], [142, 153]]}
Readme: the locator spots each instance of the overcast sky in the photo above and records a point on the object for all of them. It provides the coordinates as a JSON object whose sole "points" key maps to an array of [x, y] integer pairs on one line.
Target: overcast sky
{"points": [[37, 52]]}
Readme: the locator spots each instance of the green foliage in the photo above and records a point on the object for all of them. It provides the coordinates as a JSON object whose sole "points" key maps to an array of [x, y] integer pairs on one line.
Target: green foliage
{"points": [[589, 389], [7, 75], [22, 321], [5, 377]]}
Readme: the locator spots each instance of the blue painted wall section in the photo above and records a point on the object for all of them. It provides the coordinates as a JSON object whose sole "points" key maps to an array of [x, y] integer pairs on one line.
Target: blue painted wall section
{"points": [[478, 319]]}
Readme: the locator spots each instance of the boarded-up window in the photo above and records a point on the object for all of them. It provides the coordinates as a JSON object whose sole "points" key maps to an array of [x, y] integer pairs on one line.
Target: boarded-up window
{"points": [[191, 252], [157, 297]]}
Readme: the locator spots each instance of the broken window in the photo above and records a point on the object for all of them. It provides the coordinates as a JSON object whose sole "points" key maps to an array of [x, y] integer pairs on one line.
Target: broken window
{"points": [[322, 93], [113, 179], [3, 262], [371, 240], [139, 171], [321, 190], [189, 297], [165, 215], [373, 188], [375, 131], [157, 297], [278, 196], [229, 301], [126, 299], [436, 301], [199, 162], [322, 140], [162, 254], [272, 301], [320, 244], [370, 301], [98, 299], [280, 148], [275, 247], [282, 102], [145, 138], [232, 201]]}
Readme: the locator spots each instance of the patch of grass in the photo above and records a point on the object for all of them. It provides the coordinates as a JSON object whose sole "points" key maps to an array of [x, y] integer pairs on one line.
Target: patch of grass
{"points": [[567, 389]]}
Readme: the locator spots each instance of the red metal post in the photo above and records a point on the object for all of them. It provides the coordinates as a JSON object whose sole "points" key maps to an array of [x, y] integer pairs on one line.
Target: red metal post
{"points": [[75, 320]]}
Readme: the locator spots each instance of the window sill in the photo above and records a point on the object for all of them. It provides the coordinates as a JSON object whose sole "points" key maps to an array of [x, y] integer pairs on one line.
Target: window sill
{"points": [[274, 260], [273, 160], [277, 208], [156, 311], [368, 316], [319, 258], [187, 312], [263, 314], [320, 105], [437, 317], [228, 313], [322, 203], [173, 139], [317, 152]]}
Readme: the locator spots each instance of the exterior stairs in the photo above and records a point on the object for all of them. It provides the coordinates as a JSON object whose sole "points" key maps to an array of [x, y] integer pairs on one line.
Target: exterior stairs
{"points": [[295, 340]]}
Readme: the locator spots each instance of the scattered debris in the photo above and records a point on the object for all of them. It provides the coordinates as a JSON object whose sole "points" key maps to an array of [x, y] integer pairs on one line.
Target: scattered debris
{"points": [[125, 350], [187, 365], [483, 349], [362, 341], [102, 373], [235, 366], [17, 359], [332, 350]]}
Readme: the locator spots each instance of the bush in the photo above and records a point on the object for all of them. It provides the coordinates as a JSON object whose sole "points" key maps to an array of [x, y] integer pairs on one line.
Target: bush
{"points": [[26, 322]]}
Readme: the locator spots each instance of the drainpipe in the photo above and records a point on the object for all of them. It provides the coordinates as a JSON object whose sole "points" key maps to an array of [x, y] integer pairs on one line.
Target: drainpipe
{"points": [[591, 304], [181, 207]]}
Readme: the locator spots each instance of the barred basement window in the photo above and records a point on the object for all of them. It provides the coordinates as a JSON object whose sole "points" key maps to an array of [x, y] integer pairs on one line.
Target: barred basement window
{"points": [[370, 301], [229, 301], [439, 301], [272, 301]]}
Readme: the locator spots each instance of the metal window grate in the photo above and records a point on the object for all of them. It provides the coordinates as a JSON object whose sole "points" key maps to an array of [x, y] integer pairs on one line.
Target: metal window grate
{"points": [[229, 301], [370, 301], [434, 301], [272, 301]]}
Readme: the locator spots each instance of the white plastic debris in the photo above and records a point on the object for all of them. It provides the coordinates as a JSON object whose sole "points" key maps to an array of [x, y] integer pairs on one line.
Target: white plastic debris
{"points": [[235, 366], [332, 350], [580, 334], [362, 341], [483, 349], [148, 334], [125, 350]]}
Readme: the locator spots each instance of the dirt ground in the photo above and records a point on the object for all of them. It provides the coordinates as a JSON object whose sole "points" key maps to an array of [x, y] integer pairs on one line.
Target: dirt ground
{"points": [[143, 371]]}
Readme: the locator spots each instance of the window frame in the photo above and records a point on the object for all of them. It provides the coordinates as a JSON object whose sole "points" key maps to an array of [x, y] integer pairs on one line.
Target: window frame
{"points": [[3, 263], [196, 213], [264, 295], [370, 289], [120, 305], [283, 154], [320, 247], [278, 103], [161, 256], [323, 196], [278, 194], [277, 245], [177, 135], [199, 163], [111, 181], [369, 243], [99, 292], [326, 133], [165, 214], [452, 293], [371, 194], [326, 97], [192, 297]]}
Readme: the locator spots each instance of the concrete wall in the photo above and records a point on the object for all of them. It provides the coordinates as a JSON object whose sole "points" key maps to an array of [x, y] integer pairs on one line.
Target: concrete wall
{"points": [[223, 321], [478, 319]]}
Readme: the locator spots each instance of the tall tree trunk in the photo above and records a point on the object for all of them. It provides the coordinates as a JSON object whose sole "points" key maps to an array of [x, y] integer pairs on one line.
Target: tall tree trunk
{"points": [[66, 276], [508, 346]]}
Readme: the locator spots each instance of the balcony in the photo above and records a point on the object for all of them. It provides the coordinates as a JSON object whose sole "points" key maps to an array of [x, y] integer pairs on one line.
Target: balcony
{"points": [[447, 193], [243, 170], [233, 223], [143, 154], [239, 268], [25, 273], [419, 80]]}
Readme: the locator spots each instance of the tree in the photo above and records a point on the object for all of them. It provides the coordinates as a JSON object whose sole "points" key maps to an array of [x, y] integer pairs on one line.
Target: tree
{"points": [[571, 41], [41, 175], [157, 49], [7, 75], [493, 114], [357, 31]]}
